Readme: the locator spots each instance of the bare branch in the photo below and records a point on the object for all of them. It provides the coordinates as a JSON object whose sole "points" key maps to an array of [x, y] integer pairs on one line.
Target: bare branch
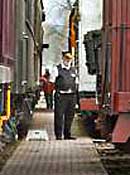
{"points": [[69, 4]]}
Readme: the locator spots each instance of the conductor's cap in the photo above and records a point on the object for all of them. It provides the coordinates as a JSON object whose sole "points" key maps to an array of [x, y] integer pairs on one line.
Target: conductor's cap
{"points": [[67, 55]]}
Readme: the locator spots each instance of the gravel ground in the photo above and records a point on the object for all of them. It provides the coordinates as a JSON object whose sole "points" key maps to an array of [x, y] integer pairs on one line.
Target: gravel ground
{"points": [[115, 161], [7, 152]]}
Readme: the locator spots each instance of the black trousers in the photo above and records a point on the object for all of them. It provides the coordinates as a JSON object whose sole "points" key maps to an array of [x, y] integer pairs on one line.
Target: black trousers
{"points": [[63, 113], [49, 100]]}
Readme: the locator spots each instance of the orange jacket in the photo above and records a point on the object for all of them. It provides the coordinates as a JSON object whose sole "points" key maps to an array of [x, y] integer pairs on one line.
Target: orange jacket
{"points": [[47, 86]]}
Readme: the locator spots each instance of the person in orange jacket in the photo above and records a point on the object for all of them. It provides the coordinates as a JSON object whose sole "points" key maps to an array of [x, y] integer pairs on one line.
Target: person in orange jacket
{"points": [[48, 88]]}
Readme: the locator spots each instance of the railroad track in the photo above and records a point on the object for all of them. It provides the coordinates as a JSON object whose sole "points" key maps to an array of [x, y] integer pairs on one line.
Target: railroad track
{"points": [[115, 160]]}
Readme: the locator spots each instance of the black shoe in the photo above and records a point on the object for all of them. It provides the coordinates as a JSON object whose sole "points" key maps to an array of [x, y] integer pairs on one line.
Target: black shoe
{"points": [[58, 138], [70, 138]]}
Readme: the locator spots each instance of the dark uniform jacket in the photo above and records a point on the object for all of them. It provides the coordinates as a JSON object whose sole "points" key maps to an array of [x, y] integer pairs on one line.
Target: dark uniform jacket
{"points": [[66, 79]]}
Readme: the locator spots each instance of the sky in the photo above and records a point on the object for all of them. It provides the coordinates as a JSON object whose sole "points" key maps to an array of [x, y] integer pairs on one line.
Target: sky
{"points": [[56, 33], [55, 11], [55, 30]]}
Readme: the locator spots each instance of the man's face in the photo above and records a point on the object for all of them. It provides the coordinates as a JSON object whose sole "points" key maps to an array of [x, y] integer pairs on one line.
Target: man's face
{"points": [[67, 61]]}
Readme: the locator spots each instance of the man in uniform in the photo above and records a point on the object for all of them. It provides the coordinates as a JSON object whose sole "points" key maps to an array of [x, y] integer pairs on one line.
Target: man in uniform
{"points": [[64, 77]]}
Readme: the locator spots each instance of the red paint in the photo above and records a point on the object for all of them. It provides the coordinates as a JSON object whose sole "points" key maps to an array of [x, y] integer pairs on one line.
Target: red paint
{"points": [[121, 131], [116, 31], [7, 32], [122, 102], [88, 104]]}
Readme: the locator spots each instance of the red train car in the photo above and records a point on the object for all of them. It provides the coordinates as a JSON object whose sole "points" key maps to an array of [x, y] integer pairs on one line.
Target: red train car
{"points": [[7, 32], [116, 66], [7, 53]]}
